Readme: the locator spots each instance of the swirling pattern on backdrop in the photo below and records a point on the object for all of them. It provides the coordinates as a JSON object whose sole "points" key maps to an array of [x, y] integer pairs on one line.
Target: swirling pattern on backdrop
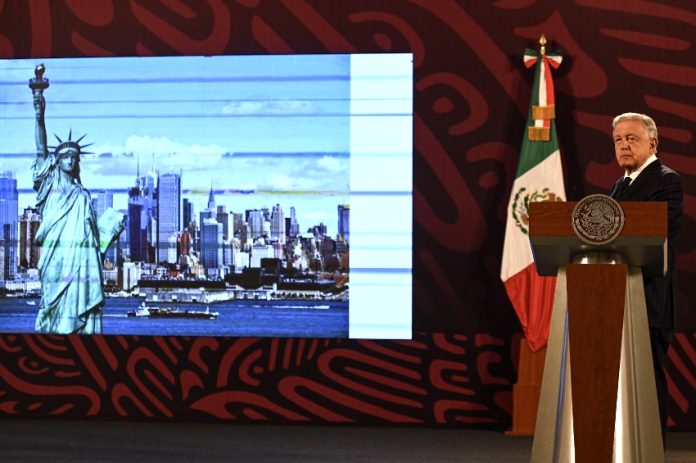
{"points": [[471, 95]]}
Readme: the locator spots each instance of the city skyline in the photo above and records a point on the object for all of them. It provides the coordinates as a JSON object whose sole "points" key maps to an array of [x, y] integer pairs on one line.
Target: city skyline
{"points": [[167, 211], [237, 202], [236, 199]]}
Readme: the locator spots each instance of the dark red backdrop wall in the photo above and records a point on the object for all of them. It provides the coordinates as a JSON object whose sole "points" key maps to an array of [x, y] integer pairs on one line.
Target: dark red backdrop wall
{"points": [[471, 95]]}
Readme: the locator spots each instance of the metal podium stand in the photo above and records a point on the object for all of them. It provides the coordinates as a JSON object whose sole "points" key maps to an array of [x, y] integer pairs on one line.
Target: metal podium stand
{"points": [[598, 398]]}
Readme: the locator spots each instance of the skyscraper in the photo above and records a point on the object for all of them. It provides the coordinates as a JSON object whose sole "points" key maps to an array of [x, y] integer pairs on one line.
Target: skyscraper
{"points": [[169, 219], [277, 225], [137, 234], [184, 245], [4, 248], [142, 213], [172, 256], [255, 220], [211, 199], [9, 210], [187, 212], [245, 235], [105, 199], [149, 216], [237, 221], [28, 249], [209, 212], [211, 246], [344, 222], [138, 220], [190, 227], [224, 218], [293, 228]]}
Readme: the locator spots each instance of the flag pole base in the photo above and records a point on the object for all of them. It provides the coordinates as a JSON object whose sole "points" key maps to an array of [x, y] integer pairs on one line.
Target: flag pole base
{"points": [[525, 393]]}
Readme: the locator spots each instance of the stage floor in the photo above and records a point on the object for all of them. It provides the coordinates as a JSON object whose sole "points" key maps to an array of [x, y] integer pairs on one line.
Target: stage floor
{"points": [[94, 441]]}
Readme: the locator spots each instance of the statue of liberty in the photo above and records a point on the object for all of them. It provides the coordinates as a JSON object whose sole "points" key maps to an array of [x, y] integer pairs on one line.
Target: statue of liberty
{"points": [[70, 261]]}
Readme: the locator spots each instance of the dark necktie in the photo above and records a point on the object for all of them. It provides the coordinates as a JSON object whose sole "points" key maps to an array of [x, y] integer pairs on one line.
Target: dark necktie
{"points": [[621, 190]]}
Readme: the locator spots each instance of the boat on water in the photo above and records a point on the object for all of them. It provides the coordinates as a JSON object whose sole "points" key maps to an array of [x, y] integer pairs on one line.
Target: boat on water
{"points": [[171, 312]]}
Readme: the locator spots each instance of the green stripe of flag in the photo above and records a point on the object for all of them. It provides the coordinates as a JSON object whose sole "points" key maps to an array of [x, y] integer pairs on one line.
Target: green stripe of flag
{"points": [[534, 152]]}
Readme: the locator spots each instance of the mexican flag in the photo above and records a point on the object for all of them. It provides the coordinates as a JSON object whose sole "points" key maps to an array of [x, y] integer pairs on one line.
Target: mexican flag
{"points": [[539, 178]]}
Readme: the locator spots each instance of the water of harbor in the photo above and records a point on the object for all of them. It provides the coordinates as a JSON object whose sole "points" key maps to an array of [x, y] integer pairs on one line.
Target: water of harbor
{"points": [[278, 318]]}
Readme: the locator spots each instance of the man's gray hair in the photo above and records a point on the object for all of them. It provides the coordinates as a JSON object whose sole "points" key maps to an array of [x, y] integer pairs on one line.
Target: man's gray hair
{"points": [[647, 121]]}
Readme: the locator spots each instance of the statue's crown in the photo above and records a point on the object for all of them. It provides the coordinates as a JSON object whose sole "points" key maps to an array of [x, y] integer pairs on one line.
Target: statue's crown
{"points": [[70, 143]]}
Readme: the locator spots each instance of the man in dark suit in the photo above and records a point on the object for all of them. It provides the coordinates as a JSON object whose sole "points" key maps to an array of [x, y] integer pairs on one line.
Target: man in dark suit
{"points": [[647, 179]]}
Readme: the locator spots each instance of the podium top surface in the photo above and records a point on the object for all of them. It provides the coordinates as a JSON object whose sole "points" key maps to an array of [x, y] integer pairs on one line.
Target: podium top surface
{"points": [[642, 219], [642, 241]]}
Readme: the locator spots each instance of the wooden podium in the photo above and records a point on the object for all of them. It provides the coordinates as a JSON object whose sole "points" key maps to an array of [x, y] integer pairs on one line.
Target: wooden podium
{"points": [[598, 398]]}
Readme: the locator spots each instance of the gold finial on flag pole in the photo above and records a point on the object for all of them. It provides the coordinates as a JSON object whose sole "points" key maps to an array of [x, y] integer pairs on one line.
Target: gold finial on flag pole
{"points": [[542, 42]]}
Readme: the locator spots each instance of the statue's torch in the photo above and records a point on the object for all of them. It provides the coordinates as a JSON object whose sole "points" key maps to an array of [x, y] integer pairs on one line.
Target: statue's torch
{"points": [[38, 82]]}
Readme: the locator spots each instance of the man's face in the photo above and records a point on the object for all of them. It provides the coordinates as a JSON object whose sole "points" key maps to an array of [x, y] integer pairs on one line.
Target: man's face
{"points": [[68, 162], [632, 144]]}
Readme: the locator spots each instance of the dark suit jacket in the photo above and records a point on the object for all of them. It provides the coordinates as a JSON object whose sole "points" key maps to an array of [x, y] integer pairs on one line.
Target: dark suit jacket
{"points": [[660, 183]]}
